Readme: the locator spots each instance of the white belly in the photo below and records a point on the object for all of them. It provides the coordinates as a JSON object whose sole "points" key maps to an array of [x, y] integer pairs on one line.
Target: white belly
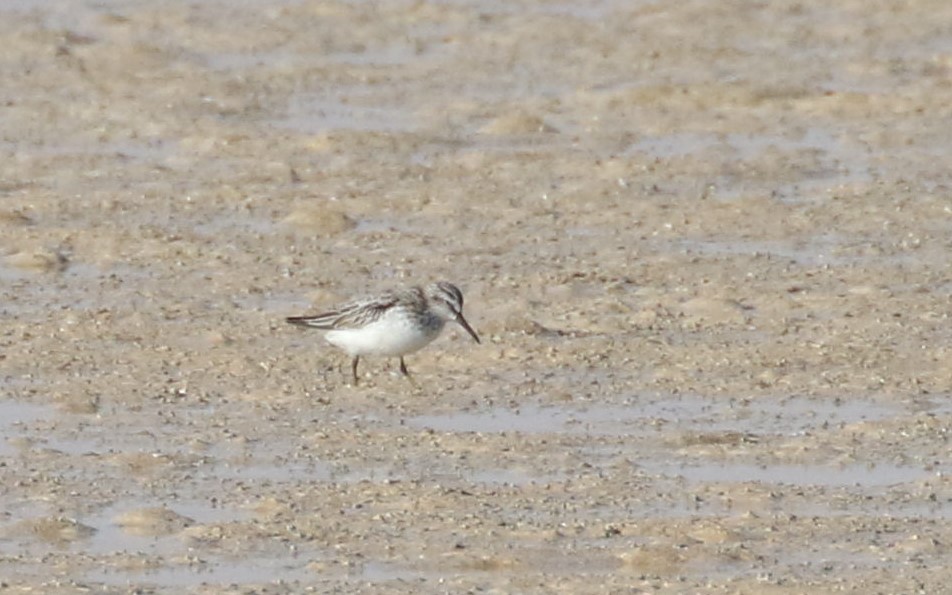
{"points": [[389, 336]]}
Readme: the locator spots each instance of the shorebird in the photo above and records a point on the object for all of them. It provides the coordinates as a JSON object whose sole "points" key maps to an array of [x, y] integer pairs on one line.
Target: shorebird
{"points": [[392, 323]]}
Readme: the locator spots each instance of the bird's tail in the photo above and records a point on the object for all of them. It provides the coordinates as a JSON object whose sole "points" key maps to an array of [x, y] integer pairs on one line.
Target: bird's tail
{"points": [[320, 321]]}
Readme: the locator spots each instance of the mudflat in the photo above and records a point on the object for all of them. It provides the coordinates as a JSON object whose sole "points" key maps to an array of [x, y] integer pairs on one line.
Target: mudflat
{"points": [[706, 246]]}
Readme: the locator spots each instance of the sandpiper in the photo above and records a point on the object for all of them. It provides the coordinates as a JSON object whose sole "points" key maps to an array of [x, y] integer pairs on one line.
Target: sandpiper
{"points": [[393, 323]]}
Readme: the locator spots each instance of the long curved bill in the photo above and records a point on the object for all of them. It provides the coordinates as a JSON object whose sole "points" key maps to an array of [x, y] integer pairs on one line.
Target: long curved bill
{"points": [[462, 322]]}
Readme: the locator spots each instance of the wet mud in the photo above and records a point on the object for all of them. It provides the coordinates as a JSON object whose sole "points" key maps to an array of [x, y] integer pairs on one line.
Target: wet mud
{"points": [[706, 246]]}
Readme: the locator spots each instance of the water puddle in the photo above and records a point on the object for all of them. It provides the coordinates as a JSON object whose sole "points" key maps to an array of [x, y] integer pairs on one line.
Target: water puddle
{"points": [[171, 561], [278, 570], [715, 418], [788, 416], [831, 476], [312, 114], [388, 225], [80, 288], [376, 571], [529, 419], [235, 225], [111, 537], [511, 477], [250, 571], [742, 146], [13, 416], [829, 160], [822, 249], [196, 568], [271, 471]]}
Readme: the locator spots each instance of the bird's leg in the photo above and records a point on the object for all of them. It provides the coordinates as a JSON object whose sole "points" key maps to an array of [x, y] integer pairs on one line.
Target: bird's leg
{"points": [[353, 368], [406, 373]]}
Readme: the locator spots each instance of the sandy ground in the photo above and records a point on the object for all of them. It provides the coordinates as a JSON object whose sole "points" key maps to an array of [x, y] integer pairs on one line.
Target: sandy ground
{"points": [[706, 245]]}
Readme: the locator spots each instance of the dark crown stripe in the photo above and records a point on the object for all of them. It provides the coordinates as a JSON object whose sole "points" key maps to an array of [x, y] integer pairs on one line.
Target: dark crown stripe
{"points": [[451, 294]]}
